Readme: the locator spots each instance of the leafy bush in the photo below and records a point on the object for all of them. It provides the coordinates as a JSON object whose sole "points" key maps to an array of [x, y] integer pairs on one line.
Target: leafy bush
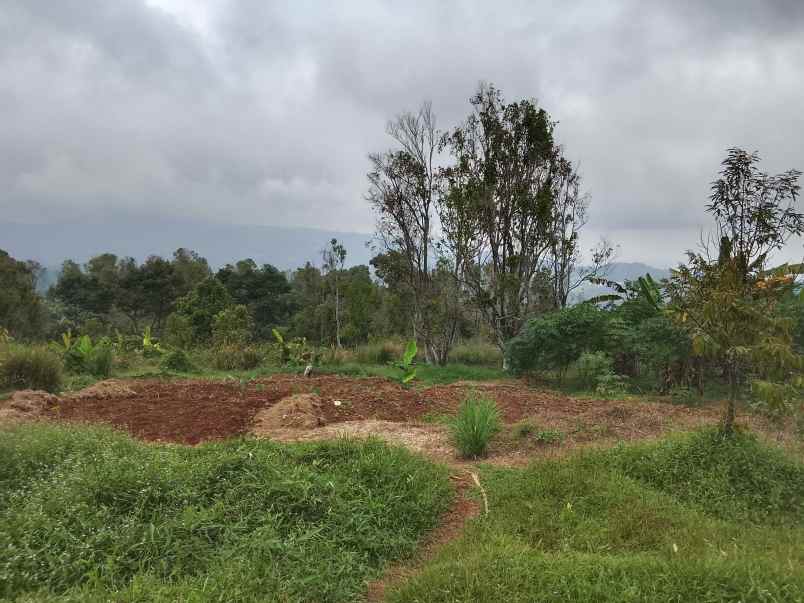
{"points": [[232, 326], [556, 340], [81, 356], [476, 354], [477, 421], [295, 352], [591, 366], [177, 361], [682, 394], [234, 357], [549, 436], [610, 385], [31, 368]]}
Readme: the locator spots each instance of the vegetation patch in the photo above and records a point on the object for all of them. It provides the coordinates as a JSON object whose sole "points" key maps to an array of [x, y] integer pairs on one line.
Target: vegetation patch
{"points": [[617, 526], [90, 514]]}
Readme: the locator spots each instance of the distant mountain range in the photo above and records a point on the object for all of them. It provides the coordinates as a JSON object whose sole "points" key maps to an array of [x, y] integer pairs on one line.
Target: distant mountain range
{"points": [[285, 248]]}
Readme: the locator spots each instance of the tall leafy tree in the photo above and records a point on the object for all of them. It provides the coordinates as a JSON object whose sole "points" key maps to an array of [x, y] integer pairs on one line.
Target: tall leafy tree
{"points": [[263, 290], [22, 312], [498, 215]]}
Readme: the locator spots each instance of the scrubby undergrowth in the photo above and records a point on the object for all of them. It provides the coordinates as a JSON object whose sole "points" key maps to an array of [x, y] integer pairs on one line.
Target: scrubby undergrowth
{"points": [[693, 518], [90, 514]]}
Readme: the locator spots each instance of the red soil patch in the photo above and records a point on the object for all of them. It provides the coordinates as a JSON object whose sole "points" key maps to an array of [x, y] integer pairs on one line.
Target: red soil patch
{"points": [[194, 411]]}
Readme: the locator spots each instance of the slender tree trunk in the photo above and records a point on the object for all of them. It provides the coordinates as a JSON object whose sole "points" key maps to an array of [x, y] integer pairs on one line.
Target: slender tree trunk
{"points": [[337, 313]]}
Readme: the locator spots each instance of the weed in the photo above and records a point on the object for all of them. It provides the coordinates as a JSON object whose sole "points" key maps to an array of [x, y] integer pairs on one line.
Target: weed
{"points": [[477, 421], [176, 361], [549, 436]]}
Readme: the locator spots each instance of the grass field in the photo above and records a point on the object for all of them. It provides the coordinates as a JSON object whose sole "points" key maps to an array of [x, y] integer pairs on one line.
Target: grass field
{"points": [[692, 518], [92, 515]]}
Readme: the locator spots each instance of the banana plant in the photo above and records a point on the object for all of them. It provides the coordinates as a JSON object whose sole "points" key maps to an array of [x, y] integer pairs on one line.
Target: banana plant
{"points": [[406, 364]]}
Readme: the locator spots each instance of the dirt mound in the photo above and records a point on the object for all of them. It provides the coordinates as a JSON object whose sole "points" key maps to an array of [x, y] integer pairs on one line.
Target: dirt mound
{"points": [[104, 390], [27, 405], [300, 411]]}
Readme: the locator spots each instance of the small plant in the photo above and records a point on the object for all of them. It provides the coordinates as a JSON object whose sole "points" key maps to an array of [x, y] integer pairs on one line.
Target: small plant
{"points": [[682, 394], [478, 420], [177, 362], [549, 436], [31, 368], [611, 385], [150, 347], [5, 337], [295, 352], [406, 364]]}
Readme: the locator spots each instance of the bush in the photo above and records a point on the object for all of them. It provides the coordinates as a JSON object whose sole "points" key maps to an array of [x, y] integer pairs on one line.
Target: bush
{"points": [[31, 368], [591, 366], [178, 331], [476, 354], [99, 362], [233, 357], [478, 420], [177, 361], [556, 340]]}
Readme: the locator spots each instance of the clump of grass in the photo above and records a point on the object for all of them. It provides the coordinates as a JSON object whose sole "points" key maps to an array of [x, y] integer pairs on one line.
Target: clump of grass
{"points": [[91, 514], [30, 367], [236, 357], [477, 422], [524, 429], [549, 436]]}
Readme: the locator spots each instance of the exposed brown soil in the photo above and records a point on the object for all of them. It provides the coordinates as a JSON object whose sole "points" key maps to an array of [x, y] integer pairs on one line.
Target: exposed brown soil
{"points": [[27, 405]]}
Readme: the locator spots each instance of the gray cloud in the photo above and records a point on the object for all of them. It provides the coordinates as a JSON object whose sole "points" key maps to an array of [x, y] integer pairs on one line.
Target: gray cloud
{"points": [[263, 112]]}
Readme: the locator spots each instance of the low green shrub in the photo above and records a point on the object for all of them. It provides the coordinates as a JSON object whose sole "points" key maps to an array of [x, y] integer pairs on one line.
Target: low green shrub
{"points": [[23, 367], [524, 429], [478, 420], [81, 356], [177, 362], [549, 436]]}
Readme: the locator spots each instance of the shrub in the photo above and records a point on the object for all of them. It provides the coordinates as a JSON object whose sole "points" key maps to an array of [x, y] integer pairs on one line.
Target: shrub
{"points": [[478, 420], [31, 368], [556, 340], [82, 356], [177, 361], [523, 429], [549, 436], [233, 357], [99, 362], [591, 366]]}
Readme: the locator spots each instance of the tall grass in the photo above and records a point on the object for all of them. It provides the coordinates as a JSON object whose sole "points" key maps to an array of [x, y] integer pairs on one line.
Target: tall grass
{"points": [[476, 353], [631, 524], [379, 352], [90, 514], [30, 367], [477, 421]]}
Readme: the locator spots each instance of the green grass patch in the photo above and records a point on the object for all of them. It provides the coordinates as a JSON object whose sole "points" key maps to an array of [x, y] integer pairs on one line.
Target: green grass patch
{"points": [[90, 514], [629, 525], [426, 374]]}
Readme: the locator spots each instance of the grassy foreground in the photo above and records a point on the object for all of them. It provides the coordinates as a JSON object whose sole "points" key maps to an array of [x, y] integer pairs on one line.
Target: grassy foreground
{"points": [[92, 515], [692, 518]]}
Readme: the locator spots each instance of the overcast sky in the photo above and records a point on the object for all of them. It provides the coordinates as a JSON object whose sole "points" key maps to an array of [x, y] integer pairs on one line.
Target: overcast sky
{"points": [[252, 111]]}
